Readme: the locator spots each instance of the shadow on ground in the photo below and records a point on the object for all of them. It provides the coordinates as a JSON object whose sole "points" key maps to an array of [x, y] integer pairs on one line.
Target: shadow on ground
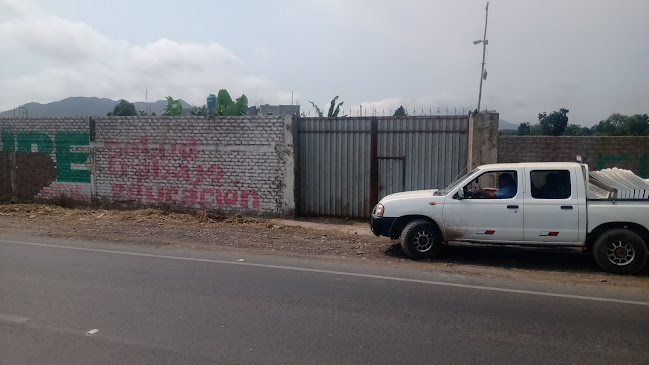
{"points": [[569, 260]]}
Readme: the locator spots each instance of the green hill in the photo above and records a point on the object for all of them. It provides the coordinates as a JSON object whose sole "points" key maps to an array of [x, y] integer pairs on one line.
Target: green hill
{"points": [[84, 107]]}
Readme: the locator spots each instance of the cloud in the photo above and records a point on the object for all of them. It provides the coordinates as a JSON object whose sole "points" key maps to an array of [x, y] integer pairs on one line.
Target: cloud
{"points": [[165, 54], [380, 107], [84, 62], [18, 8], [50, 36]]}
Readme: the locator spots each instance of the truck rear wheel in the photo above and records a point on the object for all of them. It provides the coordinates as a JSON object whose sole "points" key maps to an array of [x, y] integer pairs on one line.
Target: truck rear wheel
{"points": [[420, 240], [620, 251]]}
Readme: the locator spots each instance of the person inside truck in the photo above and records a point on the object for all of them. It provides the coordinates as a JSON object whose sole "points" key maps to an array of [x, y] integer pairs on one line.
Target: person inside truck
{"points": [[557, 186], [552, 188], [506, 188]]}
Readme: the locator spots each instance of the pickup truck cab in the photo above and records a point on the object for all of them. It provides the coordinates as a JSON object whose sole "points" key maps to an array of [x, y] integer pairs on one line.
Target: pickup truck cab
{"points": [[546, 204]]}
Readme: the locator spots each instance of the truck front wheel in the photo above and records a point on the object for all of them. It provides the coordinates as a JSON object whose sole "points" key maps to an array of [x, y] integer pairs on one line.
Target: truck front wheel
{"points": [[620, 251], [420, 239]]}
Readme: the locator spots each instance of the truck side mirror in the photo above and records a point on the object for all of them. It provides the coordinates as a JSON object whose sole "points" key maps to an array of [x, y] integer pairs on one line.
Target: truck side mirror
{"points": [[459, 195]]}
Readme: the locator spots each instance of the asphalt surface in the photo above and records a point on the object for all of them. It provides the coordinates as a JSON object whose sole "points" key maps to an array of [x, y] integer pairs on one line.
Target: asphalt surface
{"points": [[154, 306]]}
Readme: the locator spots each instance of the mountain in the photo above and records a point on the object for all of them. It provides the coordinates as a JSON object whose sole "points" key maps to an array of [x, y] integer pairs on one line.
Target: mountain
{"points": [[85, 107], [503, 124]]}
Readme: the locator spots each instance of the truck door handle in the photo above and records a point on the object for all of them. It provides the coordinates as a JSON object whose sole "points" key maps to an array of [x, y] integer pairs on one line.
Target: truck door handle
{"points": [[566, 207], [512, 207]]}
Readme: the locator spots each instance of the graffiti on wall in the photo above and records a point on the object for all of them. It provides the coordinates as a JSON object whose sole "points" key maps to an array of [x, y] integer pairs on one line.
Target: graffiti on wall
{"points": [[625, 161], [49, 167], [172, 173], [35, 174], [41, 143]]}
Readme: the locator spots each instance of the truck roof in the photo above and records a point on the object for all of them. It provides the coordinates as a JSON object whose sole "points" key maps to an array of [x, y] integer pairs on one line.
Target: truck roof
{"points": [[544, 165]]}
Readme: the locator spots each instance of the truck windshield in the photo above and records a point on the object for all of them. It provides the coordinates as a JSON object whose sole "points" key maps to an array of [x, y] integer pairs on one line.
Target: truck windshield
{"points": [[455, 183]]}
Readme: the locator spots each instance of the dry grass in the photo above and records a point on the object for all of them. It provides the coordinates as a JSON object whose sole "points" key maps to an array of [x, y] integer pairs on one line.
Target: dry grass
{"points": [[135, 215]]}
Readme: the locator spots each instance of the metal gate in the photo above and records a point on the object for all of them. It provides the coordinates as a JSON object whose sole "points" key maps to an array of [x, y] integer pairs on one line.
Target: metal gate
{"points": [[345, 165]]}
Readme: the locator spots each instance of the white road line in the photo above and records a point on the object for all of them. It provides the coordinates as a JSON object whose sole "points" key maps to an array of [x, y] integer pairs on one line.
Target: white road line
{"points": [[343, 273], [14, 319]]}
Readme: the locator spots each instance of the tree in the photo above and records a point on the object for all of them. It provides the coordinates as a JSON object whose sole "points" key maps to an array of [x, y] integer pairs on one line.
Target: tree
{"points": [[524, 129], [536, 130], [400, 112], [334, 109], [200, 111], [635, 125], [123, 109], [555, 123], [173, 109], [577, 130], [605, 127], [143, 113], [622, 125]]}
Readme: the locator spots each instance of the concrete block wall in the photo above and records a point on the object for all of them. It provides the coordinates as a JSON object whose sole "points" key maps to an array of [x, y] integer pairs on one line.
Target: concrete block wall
{"points": [[233, 165], [630, 153]]}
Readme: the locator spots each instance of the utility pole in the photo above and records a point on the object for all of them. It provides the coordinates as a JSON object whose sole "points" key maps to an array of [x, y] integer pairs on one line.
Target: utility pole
{"points": [[483, 74]]}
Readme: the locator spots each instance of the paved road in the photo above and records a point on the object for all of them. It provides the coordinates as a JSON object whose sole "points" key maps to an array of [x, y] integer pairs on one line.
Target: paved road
{"points": [[155, 306]]}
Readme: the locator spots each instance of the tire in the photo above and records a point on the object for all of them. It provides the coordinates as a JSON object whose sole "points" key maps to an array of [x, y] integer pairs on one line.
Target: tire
{"points": [[420, 240], [620, 251]]}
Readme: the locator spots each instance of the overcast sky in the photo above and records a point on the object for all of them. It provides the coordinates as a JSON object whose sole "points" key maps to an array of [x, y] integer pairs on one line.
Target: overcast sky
{"points": [[589, 56]]}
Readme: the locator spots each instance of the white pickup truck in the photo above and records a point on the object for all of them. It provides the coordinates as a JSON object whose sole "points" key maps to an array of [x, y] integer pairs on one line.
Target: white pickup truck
{"points": [[546, 204]]}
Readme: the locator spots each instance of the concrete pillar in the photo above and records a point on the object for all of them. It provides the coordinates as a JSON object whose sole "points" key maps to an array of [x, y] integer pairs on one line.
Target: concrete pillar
{"points": [[287, 152], [483, 139]]}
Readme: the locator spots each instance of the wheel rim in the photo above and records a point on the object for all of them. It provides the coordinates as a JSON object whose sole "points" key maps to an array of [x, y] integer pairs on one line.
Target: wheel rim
{"points": [[620, 253], [423, 241]]}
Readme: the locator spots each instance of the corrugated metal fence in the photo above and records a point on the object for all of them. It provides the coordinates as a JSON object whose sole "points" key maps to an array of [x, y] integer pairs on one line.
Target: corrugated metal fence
{"points": [[345, 165]]}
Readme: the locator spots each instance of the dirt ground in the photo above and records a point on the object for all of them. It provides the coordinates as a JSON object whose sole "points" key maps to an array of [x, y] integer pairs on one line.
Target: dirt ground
{"points": [[327, 239]]}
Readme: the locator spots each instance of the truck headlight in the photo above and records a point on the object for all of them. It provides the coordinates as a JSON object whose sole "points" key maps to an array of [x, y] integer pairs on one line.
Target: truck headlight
{"points": [[378, 210]]}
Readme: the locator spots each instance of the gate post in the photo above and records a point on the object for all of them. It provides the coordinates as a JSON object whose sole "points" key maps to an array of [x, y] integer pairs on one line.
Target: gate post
{"points": [[374, 163], [483, 139], [297, 155]]}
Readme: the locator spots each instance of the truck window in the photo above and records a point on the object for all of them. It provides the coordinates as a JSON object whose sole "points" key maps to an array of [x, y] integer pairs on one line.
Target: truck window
{"points": [[550, 184], [504, 184]]}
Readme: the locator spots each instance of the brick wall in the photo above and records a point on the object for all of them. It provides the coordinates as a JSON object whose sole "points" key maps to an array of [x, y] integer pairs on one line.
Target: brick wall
{"points": [[601, 152], [236, 165]]}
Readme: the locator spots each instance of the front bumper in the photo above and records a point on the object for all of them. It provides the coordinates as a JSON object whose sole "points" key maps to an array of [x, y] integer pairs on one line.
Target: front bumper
{"points": [[381, 226]]}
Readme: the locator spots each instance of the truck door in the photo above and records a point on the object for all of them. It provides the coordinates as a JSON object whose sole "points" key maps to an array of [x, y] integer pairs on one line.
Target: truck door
{"points": [[478, 219], [551, 206]]}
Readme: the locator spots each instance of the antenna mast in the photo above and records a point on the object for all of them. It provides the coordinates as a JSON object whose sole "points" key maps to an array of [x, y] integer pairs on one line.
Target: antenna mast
{"points": [[484, 42]]}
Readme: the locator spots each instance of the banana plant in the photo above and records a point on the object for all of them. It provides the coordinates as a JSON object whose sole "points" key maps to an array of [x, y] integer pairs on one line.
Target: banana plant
{"points": [[174, 108], [334, 109], [226, 107]]}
